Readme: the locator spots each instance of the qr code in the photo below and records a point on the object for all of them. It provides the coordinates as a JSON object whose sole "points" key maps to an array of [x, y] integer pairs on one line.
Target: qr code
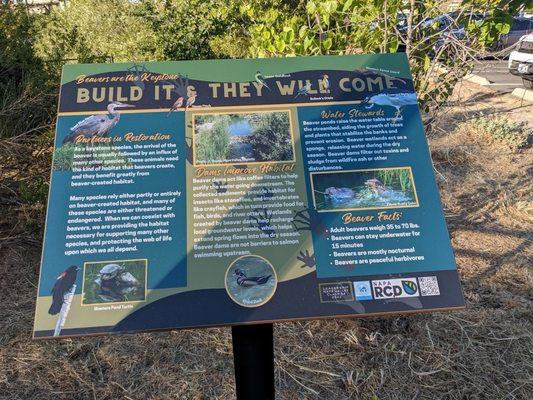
{"points": [[429, 286]]}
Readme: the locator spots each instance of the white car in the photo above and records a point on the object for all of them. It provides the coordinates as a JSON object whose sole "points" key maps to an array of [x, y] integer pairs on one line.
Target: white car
{"points": [[521, 60]]}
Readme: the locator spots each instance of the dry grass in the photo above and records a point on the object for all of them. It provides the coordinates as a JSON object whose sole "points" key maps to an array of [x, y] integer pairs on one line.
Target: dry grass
{"points": [[484, 352]]}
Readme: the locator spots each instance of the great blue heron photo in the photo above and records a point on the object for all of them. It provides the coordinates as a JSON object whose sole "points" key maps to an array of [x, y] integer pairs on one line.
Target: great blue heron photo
{"points": [[96, 125]]}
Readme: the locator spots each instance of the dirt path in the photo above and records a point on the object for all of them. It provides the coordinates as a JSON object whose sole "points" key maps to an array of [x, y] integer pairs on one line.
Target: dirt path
{"points": [[472, 101]]}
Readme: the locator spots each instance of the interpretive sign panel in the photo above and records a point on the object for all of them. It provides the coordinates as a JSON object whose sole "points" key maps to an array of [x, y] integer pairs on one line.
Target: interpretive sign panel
{"points": [[204, 193]]}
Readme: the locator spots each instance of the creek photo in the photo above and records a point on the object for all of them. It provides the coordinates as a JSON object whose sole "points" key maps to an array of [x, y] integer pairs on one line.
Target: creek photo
{"points": [[242, 138], [364, 189]]}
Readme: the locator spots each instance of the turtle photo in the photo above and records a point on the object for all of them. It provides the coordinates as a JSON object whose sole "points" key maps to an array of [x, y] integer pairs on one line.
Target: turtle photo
{"points": [[113, 282]]}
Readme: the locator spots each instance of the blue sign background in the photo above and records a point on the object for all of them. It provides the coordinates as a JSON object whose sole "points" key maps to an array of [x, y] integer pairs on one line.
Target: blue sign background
{"points": [[429, 217], [167, 261]]}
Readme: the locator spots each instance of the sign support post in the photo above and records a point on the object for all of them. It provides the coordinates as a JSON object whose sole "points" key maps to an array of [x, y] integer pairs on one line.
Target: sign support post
{"points": [[253, 356]]}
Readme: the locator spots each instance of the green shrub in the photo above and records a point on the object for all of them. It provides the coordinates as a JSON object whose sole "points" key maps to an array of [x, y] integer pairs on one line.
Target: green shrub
{"points": [[212, 144], [515, 135], [271, 137], [312, 27], [196, 29], [34, 190], [25, 103], [96, 31], [123, 31]]}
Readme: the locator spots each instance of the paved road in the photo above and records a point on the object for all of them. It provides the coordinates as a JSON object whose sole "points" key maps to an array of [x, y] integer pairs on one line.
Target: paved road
{"points": [[498, 74]]}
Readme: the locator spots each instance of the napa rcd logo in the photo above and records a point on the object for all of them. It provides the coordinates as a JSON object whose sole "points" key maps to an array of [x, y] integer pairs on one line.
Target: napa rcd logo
{"points": [[395, 288]]}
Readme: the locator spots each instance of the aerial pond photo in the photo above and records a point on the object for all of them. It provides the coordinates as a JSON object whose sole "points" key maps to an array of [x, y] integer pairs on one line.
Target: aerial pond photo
{"points": [[243, 138], [364, 189]]}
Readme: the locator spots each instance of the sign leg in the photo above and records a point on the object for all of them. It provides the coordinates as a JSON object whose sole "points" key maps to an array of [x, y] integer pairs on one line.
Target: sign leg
{"points": [[253, 356]]}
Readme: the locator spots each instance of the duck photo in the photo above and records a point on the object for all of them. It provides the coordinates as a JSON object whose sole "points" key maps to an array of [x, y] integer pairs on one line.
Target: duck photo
{"points": [[251, 281], [245, 281]]}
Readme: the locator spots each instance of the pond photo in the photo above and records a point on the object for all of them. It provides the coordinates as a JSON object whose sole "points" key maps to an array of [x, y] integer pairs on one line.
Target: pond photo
{"points": [[114, 281], [364, 189], [251, 281], [243, 138]]}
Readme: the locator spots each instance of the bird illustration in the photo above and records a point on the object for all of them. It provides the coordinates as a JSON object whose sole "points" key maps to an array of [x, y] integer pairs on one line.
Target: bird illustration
{"points": [[190, 101], [325, 81], [259, 78], [243, 280], [96, 125], [180, 86], [62, 286], [177, 104], [372, 72], [396, 100], [304, 90]]}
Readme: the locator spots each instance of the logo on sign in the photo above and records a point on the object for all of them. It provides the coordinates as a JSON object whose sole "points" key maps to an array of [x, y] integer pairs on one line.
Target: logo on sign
{"points": [[395, 288], [363, 291]]}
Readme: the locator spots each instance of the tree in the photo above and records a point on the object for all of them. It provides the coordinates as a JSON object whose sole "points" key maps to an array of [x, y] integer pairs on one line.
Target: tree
{"points": [[24, 85], [146, 30], [420, 28]]}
